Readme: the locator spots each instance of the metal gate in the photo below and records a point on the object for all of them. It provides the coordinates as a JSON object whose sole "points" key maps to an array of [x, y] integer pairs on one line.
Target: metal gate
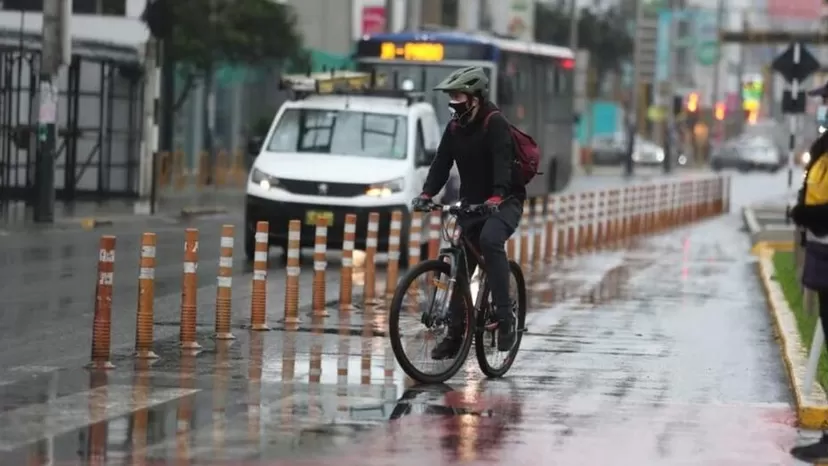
{"points": [[99, 122]]}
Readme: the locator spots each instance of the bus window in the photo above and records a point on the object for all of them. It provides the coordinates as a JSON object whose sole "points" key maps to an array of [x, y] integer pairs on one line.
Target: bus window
{"points": [[563, 83]]}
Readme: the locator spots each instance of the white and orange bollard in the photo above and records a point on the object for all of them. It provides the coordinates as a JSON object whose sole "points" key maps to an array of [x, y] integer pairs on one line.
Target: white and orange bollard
{"points": [[525, 226], [549, 247], [346, 272], [394, 237], [224, 285], [146, 298], [291, 319], [415, 239], [102, 320], [258, 298], [434, 220], [189, 291], [537, 233], [320, 265], [369, 292]]}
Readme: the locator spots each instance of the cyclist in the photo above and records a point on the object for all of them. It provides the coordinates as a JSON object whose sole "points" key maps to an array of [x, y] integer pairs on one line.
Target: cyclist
{"points": [[481, 145]]}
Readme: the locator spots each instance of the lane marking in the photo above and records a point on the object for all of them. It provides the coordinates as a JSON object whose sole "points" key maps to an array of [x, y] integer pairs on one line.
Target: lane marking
{"points": [[31, 423]]}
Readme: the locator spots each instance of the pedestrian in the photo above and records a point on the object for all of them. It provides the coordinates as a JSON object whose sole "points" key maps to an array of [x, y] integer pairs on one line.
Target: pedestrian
{"points": [[811, 213]]}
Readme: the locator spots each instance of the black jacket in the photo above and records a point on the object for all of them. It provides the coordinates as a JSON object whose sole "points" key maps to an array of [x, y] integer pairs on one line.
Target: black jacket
{"points": [[485, 159]]}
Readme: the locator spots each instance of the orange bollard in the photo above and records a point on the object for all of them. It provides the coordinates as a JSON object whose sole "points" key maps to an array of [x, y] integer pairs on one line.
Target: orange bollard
{"points": [[572, 221], [434, 235], [511, 247], [393, 254], [258, 297], [612, 219], [97, 434], [346, 272], [189, 289], [548, 250], [315, 360], [537, 233], [369, 290], [415, 239], [102, 322], [320, 264], [600, 220], [591, 219], [525, 225], [637, 209], [583, 209], [562, 227], [146, 298], [224, 284], [292, 281]]}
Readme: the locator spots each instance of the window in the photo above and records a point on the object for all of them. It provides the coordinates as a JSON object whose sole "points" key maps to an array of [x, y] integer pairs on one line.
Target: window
{"points": [[113, 7], [336, 132], [22, 5]]}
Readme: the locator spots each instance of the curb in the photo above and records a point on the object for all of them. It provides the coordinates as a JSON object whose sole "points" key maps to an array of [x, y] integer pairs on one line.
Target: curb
{"points": [[752, 224], [90, 223], [811, 408]]}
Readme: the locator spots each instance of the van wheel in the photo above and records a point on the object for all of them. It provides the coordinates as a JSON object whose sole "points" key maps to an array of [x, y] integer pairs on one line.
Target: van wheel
{"points": [[249, 245]]}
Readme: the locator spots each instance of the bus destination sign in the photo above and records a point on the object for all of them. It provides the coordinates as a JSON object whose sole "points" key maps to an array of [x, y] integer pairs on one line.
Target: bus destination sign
{"points": [[413, 51]]}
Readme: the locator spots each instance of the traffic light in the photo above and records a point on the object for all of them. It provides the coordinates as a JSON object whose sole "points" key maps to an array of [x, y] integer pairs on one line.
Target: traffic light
{"points": [[720, 111], [693, 102]]}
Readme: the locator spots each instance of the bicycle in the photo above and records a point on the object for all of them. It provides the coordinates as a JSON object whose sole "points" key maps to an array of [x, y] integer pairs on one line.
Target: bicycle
{"points": [[443, 273]]}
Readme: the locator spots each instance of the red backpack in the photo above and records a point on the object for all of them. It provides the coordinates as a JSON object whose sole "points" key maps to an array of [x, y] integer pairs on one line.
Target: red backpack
{"points": [[527, 151]]}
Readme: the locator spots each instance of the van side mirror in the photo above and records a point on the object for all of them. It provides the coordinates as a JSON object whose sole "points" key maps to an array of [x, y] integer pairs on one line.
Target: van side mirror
{"points": [[426, 157]]}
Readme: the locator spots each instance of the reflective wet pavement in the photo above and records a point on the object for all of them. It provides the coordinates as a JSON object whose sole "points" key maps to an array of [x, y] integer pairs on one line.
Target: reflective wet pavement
{"points": [[662, 354]]}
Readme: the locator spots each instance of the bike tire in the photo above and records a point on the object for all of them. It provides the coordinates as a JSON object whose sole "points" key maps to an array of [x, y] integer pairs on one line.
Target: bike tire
{"points": [[407, 366], [480, 329]]}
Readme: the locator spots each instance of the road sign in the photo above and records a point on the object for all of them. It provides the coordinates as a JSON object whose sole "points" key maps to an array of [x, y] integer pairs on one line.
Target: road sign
{"points": [[796, 63]]}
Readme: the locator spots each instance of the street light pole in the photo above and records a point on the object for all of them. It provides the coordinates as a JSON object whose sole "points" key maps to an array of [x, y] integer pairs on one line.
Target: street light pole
{"points": [[55, 22]]}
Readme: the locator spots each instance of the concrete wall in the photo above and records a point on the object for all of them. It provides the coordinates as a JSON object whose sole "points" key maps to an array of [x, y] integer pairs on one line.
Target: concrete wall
{"points": [[324, 23]]}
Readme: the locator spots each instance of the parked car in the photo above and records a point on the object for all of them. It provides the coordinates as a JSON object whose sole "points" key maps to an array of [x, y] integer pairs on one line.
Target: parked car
{"points": [[608, 149], [648, 153], [749, 153]]}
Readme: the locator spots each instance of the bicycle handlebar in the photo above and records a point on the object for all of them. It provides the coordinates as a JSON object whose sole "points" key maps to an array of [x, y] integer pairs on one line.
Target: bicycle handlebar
{"points": [[455, 209]]}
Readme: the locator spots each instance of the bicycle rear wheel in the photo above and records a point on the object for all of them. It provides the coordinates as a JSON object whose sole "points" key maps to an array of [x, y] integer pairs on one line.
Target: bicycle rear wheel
{"points": [[492, 362], [417, 302]]}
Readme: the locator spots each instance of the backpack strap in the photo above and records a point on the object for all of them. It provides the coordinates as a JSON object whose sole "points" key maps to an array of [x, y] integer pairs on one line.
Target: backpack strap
{"points": [[486, 120]]}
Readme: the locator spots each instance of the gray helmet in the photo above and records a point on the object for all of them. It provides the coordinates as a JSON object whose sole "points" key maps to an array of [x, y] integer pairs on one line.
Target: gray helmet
{"points": [[470, 80]]}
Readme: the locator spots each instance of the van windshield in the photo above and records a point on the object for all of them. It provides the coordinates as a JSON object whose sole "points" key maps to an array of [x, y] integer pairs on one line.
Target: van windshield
{"points": [[340, 132]]}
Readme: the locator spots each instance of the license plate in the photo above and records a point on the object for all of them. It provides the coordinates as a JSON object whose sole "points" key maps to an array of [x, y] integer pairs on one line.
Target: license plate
{"points": [[312, 216]]}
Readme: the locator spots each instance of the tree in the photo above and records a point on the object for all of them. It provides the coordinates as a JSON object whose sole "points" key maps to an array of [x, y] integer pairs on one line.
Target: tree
{"points": [[604, 35], [200, 35]]}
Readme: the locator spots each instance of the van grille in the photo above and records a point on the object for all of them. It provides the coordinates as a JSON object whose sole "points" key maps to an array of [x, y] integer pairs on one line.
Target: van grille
{"points": [[321, 188]]}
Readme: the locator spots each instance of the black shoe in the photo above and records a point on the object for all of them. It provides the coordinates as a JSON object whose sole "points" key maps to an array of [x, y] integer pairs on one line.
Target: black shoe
{"points": [[447, 349], [506, 333], [813, 453]]}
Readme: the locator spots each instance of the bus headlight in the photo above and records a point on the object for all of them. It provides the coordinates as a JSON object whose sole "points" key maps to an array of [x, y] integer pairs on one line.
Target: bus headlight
{"points": [[262, 179], [386, 189]]}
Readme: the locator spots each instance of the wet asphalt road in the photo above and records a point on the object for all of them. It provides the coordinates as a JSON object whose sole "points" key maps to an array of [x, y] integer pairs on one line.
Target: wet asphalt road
{"points": [[662, 354], [47, 281]]}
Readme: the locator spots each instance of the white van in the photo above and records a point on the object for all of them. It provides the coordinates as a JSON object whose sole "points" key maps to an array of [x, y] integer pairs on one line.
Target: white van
{"points": [[331, 154]]}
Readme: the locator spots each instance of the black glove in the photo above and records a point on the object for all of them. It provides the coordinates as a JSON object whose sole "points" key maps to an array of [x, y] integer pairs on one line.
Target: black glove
{"points": [[421, 203]]}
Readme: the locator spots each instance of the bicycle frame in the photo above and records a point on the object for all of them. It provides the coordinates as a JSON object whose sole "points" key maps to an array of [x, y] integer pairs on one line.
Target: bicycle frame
{"points": [[455, 255]]}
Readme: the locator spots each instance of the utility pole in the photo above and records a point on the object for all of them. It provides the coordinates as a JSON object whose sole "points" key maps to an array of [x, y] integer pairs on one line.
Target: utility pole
{"points": [[56, 45], [669, 143], [720, 17], [149, 141], [632, 114]]}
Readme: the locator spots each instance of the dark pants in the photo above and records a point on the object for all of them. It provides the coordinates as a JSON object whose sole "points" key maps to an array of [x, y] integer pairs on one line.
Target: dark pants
{"points": [[822, 297], [490, 238]]}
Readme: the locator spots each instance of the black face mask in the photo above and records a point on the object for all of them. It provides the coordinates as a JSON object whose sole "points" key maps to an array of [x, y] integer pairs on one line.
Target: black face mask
{"points": [[461, 111]]}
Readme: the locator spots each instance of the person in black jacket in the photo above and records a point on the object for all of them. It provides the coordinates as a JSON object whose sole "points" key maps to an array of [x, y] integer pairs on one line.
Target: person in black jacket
{"points": [[479, 141]]}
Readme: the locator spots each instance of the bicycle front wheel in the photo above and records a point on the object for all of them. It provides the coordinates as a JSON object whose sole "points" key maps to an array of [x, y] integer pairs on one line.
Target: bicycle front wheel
{"points": [[420, 318], [492, 362]]}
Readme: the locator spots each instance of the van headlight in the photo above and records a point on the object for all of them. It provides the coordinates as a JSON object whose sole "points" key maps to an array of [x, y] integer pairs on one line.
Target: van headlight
{"points": [[386, 189], [660, 155], [262, 179], [806, 158]]}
